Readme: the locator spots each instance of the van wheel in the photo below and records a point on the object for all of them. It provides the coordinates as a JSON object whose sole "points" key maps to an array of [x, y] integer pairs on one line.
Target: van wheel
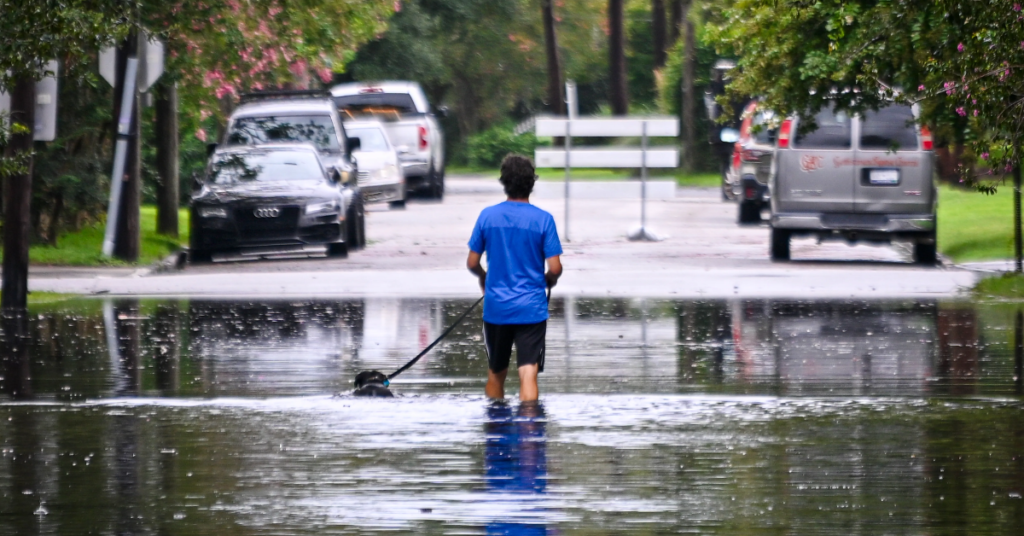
{"points": [[749, 212], [779, 245], [925, 253], [397, 205]]}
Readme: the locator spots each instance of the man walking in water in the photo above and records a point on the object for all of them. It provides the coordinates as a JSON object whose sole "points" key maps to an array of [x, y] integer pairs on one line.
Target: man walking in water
{"points": [[517, 238]]}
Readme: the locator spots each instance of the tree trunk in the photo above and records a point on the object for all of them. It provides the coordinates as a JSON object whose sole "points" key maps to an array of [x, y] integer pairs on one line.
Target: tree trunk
{"points": [[689, 99], [556, 93], [675, 21], [18, 199], [658, 27], [126, 242], [617, 94], [167, 158]]}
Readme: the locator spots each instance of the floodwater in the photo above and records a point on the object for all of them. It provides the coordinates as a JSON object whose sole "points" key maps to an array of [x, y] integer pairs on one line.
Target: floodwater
{"points": [[704, 417]]}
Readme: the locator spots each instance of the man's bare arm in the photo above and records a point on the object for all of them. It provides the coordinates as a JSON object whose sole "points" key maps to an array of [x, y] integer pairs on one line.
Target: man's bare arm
{"points": [[473, 263], [554, 270]]}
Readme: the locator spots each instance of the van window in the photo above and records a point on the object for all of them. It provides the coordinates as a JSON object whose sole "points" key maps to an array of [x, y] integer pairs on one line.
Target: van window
{"points": [[764, 127], [316, 129], [889, 128], [368, 103], [832, 132]]}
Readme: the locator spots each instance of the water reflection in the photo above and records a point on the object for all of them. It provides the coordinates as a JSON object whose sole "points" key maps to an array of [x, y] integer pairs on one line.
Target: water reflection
{"points": [[90, 349], [515, 467]]}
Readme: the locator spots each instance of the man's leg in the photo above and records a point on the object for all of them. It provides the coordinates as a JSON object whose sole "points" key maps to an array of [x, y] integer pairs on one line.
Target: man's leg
{"points": [[528, 391], [498, 342], [495, 384], [530, 346]]}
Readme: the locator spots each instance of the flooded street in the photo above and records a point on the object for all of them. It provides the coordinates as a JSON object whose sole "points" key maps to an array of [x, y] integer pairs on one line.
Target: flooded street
{"points": [[657, 416]]}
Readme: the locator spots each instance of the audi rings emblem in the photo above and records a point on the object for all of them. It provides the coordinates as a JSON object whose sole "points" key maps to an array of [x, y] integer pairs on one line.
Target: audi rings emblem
{"points": [[267, 212]]}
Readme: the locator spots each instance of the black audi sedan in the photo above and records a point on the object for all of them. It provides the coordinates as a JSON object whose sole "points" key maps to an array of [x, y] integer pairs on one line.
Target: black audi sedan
{"points": [[274, 201]]}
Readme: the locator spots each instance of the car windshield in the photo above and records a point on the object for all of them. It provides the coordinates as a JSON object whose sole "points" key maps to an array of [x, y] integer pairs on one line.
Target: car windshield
{"points": [[890, 128], [370, 139], [832, 131], [316, 129], [376, 103], [264, 166]]}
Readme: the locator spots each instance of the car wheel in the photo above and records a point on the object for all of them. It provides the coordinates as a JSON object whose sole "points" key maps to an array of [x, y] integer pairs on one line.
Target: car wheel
{"points": [[352, 223], [749, 212], [199, 255], [436, 185], [337, 250], [362, 224], [925, 253], [779, 245]]}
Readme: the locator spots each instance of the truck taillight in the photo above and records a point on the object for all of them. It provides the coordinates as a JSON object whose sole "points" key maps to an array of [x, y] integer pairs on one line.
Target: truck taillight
{"points": [[736, 156], [926, 138], [784, 132], [423, 138]]}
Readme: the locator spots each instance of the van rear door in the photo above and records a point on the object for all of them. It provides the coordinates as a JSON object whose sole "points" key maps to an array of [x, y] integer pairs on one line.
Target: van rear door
{"points": [[810, 176], [893, 173]]}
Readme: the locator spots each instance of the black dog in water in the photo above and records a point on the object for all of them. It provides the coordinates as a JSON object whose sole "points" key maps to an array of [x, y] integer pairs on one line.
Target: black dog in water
{"points": [[372, 383]]}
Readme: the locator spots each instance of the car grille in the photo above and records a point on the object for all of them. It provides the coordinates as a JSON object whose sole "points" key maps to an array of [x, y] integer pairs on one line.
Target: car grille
{"points": [[363, 177], [286, 220], [855, 221]]}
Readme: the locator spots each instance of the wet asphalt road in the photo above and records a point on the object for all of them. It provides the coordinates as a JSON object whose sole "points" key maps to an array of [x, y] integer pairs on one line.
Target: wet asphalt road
{"points": [[420, 251]]}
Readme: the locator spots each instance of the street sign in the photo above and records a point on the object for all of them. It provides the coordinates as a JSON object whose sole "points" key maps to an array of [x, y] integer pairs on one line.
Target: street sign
{"points": [[45, 127], [151, 62]]}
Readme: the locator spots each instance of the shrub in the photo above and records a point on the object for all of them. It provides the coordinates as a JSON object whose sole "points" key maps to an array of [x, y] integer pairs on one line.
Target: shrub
{"points": [[488, 148]]}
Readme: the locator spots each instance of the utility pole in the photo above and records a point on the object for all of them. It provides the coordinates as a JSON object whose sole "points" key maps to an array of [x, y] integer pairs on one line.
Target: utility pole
{"points": [[167, 158], [18, 198], [127, 239], [689, 99]]}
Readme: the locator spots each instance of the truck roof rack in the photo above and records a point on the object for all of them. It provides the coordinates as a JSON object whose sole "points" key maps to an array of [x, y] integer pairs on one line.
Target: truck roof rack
{"points": [[284, 94]]}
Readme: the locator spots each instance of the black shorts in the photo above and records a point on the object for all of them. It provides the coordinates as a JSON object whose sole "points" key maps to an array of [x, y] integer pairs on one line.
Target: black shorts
{"points": [[529, 341]]}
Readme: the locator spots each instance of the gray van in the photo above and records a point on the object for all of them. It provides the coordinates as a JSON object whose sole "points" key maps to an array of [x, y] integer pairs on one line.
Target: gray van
{"points": [[861, 178]]}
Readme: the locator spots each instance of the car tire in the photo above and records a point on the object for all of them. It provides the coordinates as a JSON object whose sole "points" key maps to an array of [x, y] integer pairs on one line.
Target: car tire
{"points": [[354, 226], [779, 247], [925, 253], [337, 250], [436, 185], [397, 205], [749, 212], [199, 255], [362, 224]]}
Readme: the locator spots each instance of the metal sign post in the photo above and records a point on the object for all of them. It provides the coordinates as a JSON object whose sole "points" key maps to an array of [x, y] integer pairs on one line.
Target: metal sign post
{"points": [[120, 154], [571, 109]]}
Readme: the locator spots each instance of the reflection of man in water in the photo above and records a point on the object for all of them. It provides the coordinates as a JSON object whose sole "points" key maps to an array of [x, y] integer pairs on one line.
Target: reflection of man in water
{"points": [[515, 460], [518, 238]]}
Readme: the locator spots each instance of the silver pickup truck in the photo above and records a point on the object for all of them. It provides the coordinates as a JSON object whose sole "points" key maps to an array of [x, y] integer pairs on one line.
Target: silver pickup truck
{"points": [[410, 123]]}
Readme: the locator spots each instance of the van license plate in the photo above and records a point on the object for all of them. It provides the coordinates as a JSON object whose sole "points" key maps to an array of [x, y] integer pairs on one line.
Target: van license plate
{"points": [[884, 177]]}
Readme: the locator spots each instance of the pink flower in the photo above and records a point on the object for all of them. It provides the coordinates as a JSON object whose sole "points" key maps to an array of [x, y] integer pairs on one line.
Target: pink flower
{"points": [[975, 113], [1016, 7], [960, 47], [325, 74], [960, 111], [201, 134], [984, 156], [921, 87], [398, 6]]}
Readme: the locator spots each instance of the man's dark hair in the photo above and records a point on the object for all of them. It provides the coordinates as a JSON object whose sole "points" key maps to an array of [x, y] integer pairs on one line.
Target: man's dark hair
{"points": [[517, 176]]}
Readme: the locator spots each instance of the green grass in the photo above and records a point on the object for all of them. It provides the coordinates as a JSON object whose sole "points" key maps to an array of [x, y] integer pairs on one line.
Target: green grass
{"points": [[47, 298], [83, 247], [1008, 286], [974, 226]]}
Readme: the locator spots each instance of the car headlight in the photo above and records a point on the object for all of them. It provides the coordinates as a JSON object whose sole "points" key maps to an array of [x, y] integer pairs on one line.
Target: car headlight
{"points": [[319, 208], [213, 212]]}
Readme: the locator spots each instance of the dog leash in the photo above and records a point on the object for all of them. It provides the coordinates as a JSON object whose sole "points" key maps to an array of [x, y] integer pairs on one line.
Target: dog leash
{"points": [[427, 349]]}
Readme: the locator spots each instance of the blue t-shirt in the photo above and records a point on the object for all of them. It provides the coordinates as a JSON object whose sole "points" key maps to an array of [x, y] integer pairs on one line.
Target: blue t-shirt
{"points": [[516, 237]]}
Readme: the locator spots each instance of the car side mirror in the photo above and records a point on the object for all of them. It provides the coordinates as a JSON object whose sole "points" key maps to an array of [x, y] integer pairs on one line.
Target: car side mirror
{"points": [[442, 111], [729, 135], [336, 176], [210, 148], [353, 144]]}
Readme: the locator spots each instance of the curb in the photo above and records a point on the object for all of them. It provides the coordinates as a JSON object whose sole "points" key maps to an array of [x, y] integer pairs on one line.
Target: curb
{"points": [[175, 262]]}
